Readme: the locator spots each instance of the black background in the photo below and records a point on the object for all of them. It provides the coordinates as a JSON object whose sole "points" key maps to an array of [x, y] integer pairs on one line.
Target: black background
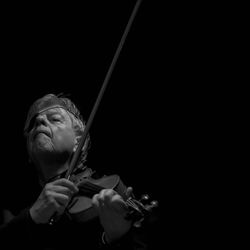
{"points": [[157, 121], [66, 48]]}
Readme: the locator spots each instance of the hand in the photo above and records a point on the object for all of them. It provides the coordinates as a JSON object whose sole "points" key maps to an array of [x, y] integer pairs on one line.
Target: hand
{"points": [[112, 210], [54, 197]]}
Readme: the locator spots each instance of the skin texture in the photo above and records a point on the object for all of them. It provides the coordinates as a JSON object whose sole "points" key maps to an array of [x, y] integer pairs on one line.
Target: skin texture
{"points": [[51, 141]]}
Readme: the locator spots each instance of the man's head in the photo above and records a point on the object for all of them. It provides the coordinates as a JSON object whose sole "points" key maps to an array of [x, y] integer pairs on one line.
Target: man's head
{"points": [[52, 128]]}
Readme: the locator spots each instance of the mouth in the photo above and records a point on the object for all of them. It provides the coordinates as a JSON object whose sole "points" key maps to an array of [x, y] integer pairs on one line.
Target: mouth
{"points": [[41, 132]]}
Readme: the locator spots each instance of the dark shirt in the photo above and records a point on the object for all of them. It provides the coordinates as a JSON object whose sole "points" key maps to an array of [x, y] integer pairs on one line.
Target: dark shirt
{"points": [[23, 233]]}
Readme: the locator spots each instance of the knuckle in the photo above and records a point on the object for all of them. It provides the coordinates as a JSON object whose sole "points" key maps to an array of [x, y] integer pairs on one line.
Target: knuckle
{"points": [[108, 192], [95, 199], [48, 186], [116, 198], [47, 193], [67, 198]]}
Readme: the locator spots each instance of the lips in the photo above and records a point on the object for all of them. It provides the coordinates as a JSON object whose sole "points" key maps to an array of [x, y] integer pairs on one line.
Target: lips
{"points": [[41, 131]]}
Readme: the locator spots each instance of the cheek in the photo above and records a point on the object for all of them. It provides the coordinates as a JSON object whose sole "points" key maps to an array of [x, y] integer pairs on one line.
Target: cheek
{"points": [[64, 140]]}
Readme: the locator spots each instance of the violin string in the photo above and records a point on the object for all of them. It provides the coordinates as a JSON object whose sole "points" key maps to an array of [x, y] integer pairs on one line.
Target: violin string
{"points": [[132, 204], [88, 186]]}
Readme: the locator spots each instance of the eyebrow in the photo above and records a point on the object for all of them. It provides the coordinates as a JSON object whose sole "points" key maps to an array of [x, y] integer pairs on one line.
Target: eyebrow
{"points": [[54, 112]]}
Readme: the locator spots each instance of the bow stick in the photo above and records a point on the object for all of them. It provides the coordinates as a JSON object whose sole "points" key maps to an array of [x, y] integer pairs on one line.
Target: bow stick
{"points": [[100, 95]]}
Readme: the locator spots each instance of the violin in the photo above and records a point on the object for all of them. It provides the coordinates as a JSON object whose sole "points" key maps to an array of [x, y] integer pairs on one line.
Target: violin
{"points": [[80, 207]]}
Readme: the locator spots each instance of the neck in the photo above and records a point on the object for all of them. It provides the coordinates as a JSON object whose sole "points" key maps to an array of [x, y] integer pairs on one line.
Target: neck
{"points": [[49, 171]]}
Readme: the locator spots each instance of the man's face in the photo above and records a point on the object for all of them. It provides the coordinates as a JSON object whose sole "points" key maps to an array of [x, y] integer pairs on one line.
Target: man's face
{"points": [[51, 134]]}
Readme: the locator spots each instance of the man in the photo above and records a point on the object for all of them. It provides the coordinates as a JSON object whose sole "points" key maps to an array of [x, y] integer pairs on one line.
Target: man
{"points": [[53, 129]]}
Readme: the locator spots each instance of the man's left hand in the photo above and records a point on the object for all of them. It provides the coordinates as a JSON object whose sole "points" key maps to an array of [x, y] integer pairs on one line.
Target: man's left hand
{"points": [[112, 211]]}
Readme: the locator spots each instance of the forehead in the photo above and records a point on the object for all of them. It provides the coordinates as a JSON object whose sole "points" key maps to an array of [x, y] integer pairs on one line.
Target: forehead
{"points": [[53, 110]]}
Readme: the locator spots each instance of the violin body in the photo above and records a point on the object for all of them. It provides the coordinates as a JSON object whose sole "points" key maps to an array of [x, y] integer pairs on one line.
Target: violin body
{"points": [[80, 207], [81, 210]]}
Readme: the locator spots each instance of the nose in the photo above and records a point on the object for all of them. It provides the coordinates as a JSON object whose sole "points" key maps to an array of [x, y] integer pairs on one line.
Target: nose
{"points": [[40, 120]]}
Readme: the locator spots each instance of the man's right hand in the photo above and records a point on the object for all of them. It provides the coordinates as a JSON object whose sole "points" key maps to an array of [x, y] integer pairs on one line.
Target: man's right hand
{"points": [[54, 197]]}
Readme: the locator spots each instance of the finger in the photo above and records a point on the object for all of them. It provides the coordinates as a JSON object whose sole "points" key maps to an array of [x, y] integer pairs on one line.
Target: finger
{"points": [[107, 195], [56, 204], [112, 199], [60, 199], [118, 201], [116, 204], [66, 183], [96, 201], [104, 195], [62, 190]]}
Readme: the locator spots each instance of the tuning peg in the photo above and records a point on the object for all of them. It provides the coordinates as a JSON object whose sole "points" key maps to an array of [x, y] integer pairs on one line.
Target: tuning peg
{"points": [[154, 203], [144, 198]]}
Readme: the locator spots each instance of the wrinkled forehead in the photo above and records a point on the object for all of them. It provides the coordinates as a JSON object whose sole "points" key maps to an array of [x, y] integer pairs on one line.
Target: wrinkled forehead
{"points": [[41, 106], [51, 110]]}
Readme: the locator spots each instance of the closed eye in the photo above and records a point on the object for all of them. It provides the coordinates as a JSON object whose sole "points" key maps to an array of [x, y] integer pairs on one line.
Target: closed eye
{"points": [[56, 118]]}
